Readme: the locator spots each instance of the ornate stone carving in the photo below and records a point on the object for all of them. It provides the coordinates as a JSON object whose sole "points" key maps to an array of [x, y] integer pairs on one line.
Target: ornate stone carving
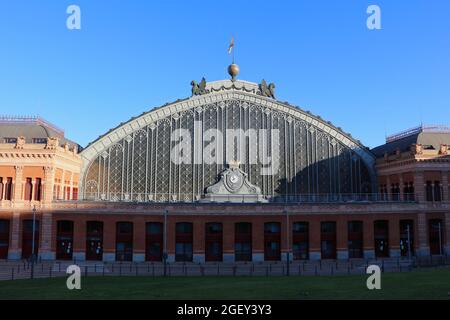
{"points": [[234, 186], [199, 89], [416, 149], [19, 169], [267, 90], [443, 150], [20, 143], [52, 143]]}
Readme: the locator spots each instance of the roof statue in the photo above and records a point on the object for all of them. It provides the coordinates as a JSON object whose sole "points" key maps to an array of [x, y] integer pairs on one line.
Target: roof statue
{"points": [[267, 90], [199, 89]]}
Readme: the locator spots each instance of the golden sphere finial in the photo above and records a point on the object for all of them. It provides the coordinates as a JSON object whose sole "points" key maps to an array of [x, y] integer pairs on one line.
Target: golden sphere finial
{"points": [[233, 71]]}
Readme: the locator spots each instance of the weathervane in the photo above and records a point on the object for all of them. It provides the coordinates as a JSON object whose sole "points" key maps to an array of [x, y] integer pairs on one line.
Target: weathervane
{"points": [[233, 69]]}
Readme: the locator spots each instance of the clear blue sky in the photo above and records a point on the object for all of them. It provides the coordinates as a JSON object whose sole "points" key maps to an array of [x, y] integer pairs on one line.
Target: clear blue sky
{"points": [[132, 56]]}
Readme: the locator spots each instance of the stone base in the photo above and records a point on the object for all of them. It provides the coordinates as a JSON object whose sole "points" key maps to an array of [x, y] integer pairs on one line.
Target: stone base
{"points": [[342, 254], [14, 255], [394, 253], [447, 250], [258, 257], [315, 256], [170, 258], [79, 256], [198, 258], [138, 257], [284, 256], [228, 257], [369, 254], [423, 252], [47, 256], [109, 257]]}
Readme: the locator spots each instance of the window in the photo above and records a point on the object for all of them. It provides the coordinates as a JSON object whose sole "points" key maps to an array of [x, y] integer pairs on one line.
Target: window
{"points": [[437, 191], [39, 140], [214, 228], [272, 241], [355, 239], [395, 191], [154, 228], [124, 241], [94, 240], [243, 241], [38, 192], [408, 191], [28, 190], [213, 241], [184, 227], [381, 235], [406, 237], [75, 194], [154, 241], [64, 240], [300, 241], [436, 238], [184, 241], [272, 227], [1, 188], [4, 238], [124, 227], [429, 191], [328, 240], [8, 189], [11, 140]]}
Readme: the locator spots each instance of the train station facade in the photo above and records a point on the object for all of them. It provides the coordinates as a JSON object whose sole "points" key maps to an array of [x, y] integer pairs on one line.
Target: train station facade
{"points": [[229, 174]]}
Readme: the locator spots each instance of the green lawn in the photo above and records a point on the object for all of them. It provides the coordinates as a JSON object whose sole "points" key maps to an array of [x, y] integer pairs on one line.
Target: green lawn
{"points": [[432, 284]]}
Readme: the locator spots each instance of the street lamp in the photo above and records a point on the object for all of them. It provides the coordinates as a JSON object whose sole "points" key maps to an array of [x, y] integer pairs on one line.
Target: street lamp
{"points": [[33, 242], [165, 242], [409, 243], [287, 243]]}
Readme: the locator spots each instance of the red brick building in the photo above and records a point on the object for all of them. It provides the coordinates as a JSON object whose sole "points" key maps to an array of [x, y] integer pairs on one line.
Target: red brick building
{"points": [[229, 174]]}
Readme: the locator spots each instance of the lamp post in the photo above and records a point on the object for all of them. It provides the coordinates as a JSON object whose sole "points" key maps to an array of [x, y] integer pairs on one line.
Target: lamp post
{"points": [[440, 239], [165, 242], [33, 242], [409, 242], [287, 243]]}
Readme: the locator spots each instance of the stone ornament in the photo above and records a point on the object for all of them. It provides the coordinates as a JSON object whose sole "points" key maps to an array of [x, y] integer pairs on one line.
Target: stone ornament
{"points": [[267, 90], [20, 143], [233, 186], [52, 143], [199, 89]]}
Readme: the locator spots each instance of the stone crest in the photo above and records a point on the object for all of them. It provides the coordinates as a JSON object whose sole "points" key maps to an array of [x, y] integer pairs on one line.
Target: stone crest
{"points": [[233, 186]]}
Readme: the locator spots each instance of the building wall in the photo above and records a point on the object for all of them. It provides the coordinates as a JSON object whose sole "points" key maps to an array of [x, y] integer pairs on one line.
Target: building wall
{"points": [[229, 216]]}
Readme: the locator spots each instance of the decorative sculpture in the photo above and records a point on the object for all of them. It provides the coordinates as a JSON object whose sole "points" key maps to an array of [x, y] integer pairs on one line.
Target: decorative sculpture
{"points": [[199, 88], [20, 143], [52, 143], [233, 186], [267, 90]]}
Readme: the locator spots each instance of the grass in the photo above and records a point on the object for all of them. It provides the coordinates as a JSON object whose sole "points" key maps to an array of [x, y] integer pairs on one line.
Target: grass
{"points": [[431, 284]]}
